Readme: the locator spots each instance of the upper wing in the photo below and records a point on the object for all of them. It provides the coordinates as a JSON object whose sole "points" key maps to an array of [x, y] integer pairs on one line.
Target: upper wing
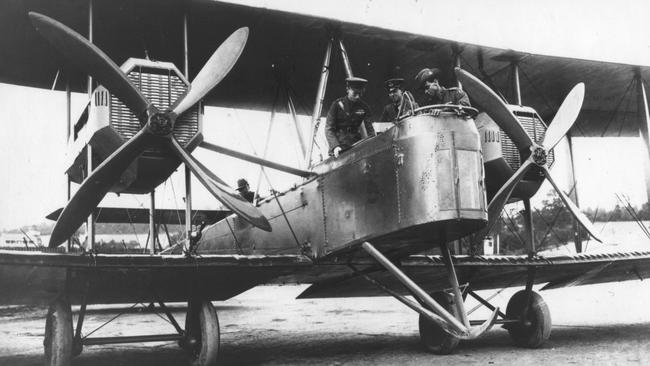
{"points": [[284, 44]]}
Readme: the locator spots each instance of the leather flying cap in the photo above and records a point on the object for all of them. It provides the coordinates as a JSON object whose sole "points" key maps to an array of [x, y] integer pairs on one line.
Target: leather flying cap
{"points": [[426, 75], [241, 184]]}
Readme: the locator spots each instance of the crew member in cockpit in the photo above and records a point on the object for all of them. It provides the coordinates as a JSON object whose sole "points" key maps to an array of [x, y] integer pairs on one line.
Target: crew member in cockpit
{"points": [[401, 101], [345, 117], [428, 81]]}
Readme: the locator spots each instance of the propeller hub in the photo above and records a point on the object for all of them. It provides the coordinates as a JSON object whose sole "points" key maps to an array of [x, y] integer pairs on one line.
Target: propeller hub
{"points": [[539, 155], [160, 124]]}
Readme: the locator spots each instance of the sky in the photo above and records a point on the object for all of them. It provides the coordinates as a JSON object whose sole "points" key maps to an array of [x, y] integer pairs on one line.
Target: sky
{"points": [[32, 182]]}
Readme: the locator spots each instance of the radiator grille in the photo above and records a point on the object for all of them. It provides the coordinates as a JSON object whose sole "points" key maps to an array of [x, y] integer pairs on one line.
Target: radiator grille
{"points": [[535, 128], [162, 87]]}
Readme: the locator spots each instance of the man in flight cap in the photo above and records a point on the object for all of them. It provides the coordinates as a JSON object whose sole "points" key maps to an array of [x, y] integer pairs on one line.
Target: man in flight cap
{"points": [[396, 94], [244, 190], [428, 80], [345, 117]]}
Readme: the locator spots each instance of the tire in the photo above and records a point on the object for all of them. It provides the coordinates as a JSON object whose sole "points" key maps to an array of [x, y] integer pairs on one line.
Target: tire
{"points": [[432, 336], [202, 333], [58, 334], [533, 331]]}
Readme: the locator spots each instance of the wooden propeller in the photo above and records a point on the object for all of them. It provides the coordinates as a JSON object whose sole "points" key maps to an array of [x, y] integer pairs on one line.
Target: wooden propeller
{"points": [[157, 126]]}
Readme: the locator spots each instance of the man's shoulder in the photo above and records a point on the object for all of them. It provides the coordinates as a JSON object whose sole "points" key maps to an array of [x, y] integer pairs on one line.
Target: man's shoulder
{"points": [[338, 103]]}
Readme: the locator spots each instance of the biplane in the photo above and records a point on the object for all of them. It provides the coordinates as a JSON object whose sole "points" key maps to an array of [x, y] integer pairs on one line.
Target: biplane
{"points": [[381, 215]]}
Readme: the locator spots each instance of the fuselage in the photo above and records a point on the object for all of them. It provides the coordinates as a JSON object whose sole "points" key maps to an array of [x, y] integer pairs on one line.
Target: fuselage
{"points": [[417, 185]]}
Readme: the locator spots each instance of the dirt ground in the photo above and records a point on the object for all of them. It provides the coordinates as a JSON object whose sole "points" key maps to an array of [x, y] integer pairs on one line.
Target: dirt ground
{"points": [[593, 325]]}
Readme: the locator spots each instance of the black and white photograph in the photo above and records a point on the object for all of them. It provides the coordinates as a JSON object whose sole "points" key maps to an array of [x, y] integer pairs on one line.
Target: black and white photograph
{"points": [[341, 182]]}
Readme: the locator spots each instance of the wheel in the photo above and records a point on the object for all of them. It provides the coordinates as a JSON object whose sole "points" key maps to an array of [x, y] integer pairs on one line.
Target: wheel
{"points": [[58, 334], [434, 338], [202, 333], [535, 329]]}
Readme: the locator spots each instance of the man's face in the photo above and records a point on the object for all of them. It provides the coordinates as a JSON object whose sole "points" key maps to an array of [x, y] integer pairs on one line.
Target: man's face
{"points": [[395, 95], [354, 93], [432, 87]]}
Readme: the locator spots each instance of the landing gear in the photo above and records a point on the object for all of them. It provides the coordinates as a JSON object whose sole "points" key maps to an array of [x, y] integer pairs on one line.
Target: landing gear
{"points": [[533, 327], [201, 333], [434, 338], [442, 322], [58, 333]]}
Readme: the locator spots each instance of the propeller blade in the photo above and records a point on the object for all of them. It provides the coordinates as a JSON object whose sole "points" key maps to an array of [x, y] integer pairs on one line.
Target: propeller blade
{"points": [[565, 116], [217, 67], [95, 187], [220, 190], [92, 61], [495, 107], [575, 211], [500, 199]]}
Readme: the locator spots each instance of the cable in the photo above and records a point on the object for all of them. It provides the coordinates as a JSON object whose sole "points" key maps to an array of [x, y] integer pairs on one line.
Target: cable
{"points": [[618, 105]]}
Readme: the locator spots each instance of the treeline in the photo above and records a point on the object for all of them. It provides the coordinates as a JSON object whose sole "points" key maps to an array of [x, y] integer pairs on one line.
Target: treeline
{"points": [[553, 224], [622, 212]]}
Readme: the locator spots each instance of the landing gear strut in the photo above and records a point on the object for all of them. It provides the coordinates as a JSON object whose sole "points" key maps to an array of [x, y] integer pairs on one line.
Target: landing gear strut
{"points": [[200, 339], [58, 333], [442, 322]]}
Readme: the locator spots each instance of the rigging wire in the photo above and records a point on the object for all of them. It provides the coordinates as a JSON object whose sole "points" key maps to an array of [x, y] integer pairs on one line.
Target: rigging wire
{"points": [[273, 191], [511, 226], [627, 105], [632, 212], [556, 215], [616, 109]]}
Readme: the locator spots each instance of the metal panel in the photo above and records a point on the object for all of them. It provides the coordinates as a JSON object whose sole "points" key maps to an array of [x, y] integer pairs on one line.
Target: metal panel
{"points": [[470, 188], [361, 199], [303, 208]]}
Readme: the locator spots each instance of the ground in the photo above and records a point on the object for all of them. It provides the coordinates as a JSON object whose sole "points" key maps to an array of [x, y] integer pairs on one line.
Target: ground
{"points": [[605, 324]]}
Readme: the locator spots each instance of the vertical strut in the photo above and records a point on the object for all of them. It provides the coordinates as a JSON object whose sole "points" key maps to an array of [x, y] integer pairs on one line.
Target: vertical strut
{"points": [[188, 176], [528, 221], [346, 60], [574, 197], [318, 105], [644, 125], [152, 222], [457, 51], [516, 86], [453, 281], [292, 110], [68, 103], [90, 223]]}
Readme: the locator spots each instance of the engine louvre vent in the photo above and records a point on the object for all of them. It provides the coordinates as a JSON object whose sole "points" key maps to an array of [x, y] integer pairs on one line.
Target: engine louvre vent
{"points": [[162, 87], [535, 128]]}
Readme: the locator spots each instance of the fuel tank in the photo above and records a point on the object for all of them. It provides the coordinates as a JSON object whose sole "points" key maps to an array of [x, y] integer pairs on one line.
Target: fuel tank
{"points": [[418, 184]]}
